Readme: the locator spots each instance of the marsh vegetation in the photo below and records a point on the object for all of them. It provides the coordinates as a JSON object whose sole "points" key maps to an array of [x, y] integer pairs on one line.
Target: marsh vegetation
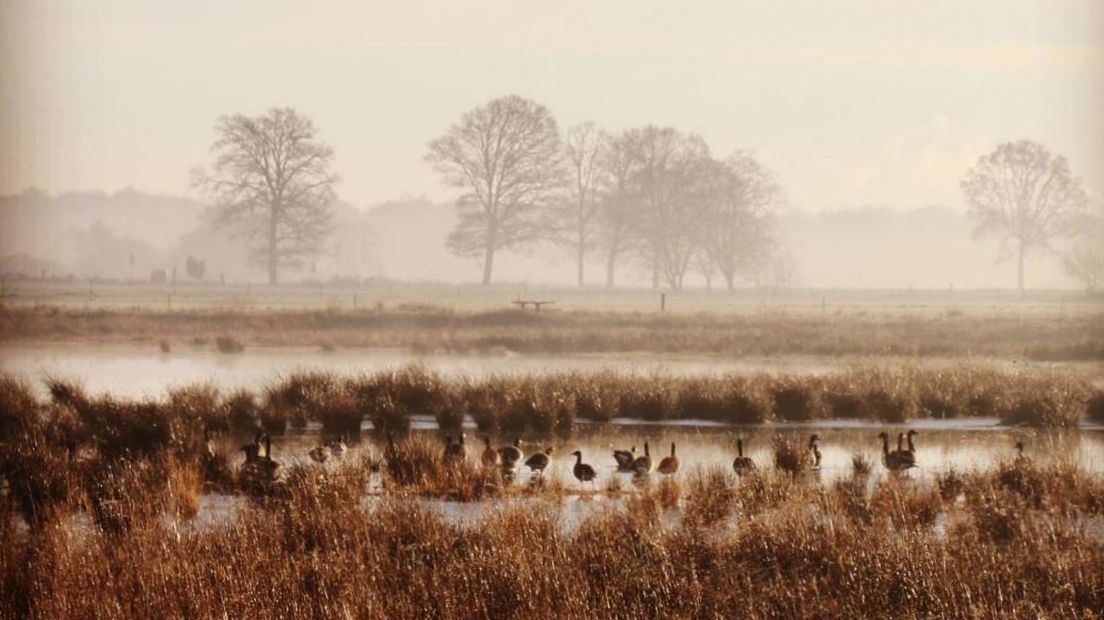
{"points": [[101, 494]]}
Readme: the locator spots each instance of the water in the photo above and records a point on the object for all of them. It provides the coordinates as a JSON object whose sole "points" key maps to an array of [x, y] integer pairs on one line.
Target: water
{"points": [[964, 444], [135, 372], [961, 444]]}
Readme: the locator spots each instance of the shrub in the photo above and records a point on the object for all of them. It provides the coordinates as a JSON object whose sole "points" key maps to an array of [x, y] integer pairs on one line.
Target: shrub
{"points": [[796, 400], [228, 344], [241, 412], [1095, 407], [1050, 401], [340, 414]]}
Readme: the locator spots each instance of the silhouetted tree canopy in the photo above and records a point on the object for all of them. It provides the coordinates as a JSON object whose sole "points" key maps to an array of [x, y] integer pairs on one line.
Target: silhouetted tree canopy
{"points": [[1084, 259], [1023, 195], [271, 182], [505, 155], [572, 219]]}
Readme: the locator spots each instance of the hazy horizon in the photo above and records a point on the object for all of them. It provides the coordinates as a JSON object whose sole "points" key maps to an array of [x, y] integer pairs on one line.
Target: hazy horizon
{"points": [[851, 103]]}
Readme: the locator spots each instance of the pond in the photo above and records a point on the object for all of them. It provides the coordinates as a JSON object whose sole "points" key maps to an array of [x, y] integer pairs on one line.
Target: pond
{"points": [[960, 444], [134, 372], [963, 444]]}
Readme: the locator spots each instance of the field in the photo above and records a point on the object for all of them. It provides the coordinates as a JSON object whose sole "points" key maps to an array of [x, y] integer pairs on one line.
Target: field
{"points": [[428, 319], [172, 503]]}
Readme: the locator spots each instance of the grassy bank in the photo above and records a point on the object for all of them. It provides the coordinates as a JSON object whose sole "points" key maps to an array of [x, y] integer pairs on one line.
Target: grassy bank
{"points": [[551, 403], [883, 330]]}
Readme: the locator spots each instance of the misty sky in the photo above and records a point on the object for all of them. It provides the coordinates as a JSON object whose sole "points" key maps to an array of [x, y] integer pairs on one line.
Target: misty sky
{"points": [[851, 102]]}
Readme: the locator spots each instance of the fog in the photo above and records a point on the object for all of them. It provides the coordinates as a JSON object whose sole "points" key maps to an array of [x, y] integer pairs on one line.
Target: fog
{"points": [[866, 116]]}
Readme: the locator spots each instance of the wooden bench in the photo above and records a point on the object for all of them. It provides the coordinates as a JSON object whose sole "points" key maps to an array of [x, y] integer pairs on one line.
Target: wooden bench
{"points": [[525, 303]]}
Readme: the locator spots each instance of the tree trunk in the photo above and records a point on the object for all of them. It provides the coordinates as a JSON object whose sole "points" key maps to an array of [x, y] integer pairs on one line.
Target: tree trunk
{"points": [[1020, 269], [272, 255], [730, 280], [579, 257], [611, 264], [488, 264]]}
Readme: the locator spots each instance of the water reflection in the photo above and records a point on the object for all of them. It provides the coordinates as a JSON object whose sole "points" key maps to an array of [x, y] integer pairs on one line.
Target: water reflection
{"points": [[964, 448], [958, 445], [133, 372]]}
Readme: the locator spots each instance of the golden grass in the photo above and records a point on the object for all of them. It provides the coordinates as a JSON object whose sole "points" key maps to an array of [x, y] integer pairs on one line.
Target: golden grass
{"points": [[1017, 538], [798, 550], [438, 329], [551, 403]]}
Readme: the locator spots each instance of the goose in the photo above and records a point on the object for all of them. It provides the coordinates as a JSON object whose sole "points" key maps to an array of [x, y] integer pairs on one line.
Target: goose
{"points": [[643, 464], [815, 449], [625, 459], [215, 467], [898, 460], [900, 454], [490, 455], [264, 451], [909, 456], [669, 464], [208, 445], [742, 464], [583, 472], [337, 446], [253, 450], [539, 461], [456, 450], [891, 460], [512, 454], [320, 454], [259, 465], [1020, 458], [267, 464]]}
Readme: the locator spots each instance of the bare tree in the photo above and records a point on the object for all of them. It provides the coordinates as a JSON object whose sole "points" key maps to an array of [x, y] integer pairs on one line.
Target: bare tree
{"points": [[1085, 258], [573, 219], [1024, 195], [669, 181], [618, 218], [506, 155], [195, 268], [738, 237], [271, 181]]}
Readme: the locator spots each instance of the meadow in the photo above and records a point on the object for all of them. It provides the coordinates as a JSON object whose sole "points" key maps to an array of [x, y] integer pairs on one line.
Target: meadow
{"points": [[423, 329]]}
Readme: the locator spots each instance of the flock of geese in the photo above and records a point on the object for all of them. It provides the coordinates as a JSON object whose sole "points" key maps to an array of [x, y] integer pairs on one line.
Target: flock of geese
{"points": [[510, 456], [258, 457]]}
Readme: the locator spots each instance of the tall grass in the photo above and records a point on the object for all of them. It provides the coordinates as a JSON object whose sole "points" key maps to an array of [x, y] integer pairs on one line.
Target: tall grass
{"points": [[1020, 543], [766, 546], [437, 329]]}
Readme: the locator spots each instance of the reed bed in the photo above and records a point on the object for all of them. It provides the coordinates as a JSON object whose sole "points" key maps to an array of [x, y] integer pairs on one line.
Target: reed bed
{"points": [[888, 330], [77, 451], [550, 404], [1013, 544], [1018, 539]]}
